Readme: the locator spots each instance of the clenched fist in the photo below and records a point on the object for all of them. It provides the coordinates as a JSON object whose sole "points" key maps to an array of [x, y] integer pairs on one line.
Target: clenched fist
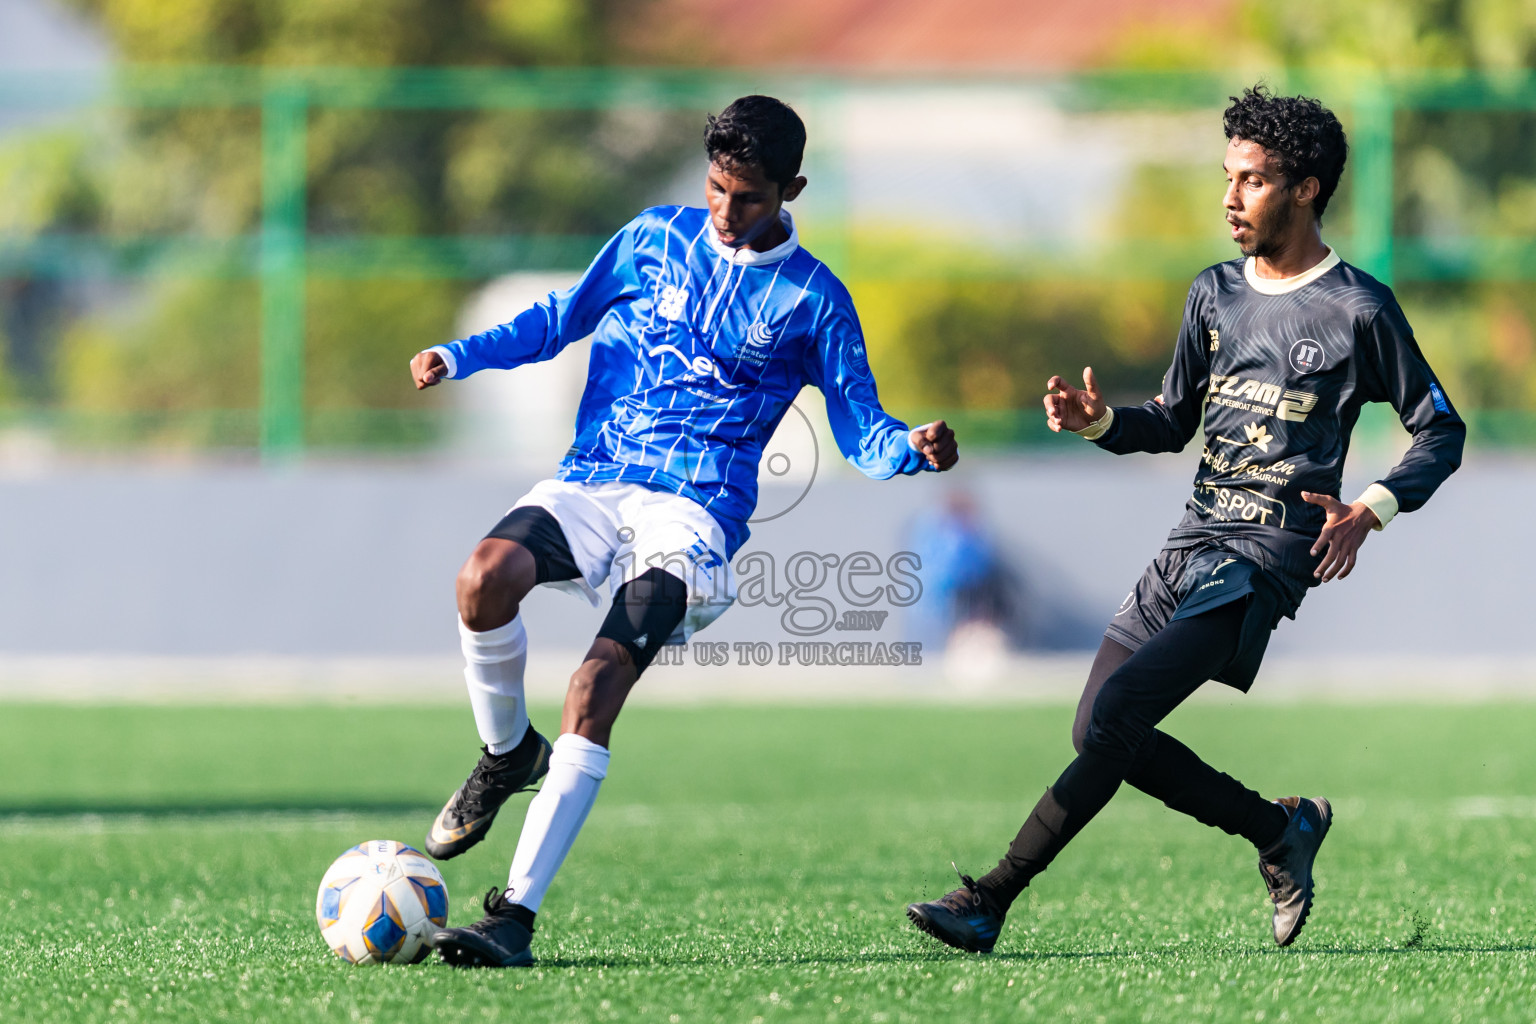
{"points": [[427, 368]]}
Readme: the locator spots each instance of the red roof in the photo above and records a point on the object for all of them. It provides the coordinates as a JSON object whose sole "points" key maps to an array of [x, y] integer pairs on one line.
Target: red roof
{"points": [[904, 35]]}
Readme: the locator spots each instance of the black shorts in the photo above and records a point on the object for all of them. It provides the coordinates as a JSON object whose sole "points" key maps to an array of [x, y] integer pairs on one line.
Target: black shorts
{"points": [[645, 611], [538, 531], [1182, 582]]}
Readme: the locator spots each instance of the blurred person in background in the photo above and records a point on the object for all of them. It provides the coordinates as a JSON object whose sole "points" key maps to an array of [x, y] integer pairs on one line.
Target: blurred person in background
{"points": [[706, 325], [1277, 354], [972, 604]]}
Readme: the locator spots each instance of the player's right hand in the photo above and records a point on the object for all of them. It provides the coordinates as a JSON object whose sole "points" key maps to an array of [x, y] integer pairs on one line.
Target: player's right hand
{"points": [[1067, 408], [427, 368]]}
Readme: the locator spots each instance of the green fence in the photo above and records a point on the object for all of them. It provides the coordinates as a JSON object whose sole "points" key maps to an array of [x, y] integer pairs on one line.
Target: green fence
{"points": [[283, 254]]}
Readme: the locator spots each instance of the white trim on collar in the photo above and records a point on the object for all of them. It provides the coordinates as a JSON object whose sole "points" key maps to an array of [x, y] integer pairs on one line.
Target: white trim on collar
{"points": [[747, 256], [1282, 285]]}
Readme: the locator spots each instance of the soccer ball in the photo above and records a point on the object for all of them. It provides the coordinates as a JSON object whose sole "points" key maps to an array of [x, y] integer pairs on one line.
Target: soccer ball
{"points": [[380, 902]]}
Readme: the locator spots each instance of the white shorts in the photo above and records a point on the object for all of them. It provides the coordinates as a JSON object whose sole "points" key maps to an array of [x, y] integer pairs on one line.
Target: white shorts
{"points": [[618, 531]]}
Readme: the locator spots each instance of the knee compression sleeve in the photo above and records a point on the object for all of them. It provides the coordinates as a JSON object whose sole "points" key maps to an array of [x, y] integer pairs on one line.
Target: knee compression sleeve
{"points": [[645, 612]]}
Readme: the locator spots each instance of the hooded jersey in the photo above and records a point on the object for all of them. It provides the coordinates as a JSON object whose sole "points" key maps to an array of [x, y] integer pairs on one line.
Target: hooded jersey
{"points": [[1279, 370], [698, 350]]}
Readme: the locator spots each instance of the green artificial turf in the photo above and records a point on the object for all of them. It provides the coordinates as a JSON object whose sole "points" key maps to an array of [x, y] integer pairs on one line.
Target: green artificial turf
{"points": [[748, 864]]}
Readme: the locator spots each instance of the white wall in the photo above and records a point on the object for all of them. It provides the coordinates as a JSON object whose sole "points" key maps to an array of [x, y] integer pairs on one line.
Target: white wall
{"points": [[336, 560]]}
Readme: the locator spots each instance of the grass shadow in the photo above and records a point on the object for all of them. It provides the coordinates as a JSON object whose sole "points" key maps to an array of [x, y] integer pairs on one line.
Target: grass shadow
{"points": [[941, 956], [208, 809]]}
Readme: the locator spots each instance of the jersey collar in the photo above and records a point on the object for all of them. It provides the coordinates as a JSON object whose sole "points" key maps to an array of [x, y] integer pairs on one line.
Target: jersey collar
{"points": [[1283, 285], [747, 256]]}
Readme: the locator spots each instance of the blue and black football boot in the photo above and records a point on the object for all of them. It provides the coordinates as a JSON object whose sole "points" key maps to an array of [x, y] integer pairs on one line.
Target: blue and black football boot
{"points": [[968, 918], [467, 816], [499, 939]]}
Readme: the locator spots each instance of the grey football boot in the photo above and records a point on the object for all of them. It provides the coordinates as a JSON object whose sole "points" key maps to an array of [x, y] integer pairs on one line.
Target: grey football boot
{"points": [[1287, 863], [468, 815]]}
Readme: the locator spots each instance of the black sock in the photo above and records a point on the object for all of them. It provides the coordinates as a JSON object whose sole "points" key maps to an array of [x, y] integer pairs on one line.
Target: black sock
{"points": [[1169, 771], [1040, 831], [1079, 794], [1273, 836], [1126, 697]]}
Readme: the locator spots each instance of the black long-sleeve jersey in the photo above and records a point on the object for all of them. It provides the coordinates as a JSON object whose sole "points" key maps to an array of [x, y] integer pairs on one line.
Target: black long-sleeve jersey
{"points": [[1279, 370]]}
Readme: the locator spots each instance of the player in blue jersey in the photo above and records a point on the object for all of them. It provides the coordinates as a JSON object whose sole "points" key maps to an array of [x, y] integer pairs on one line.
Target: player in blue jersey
{"points": [[705, 325]]}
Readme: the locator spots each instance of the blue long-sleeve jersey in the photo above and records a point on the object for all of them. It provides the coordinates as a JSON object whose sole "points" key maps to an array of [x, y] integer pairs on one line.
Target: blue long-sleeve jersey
{"points": [[697, 352]]}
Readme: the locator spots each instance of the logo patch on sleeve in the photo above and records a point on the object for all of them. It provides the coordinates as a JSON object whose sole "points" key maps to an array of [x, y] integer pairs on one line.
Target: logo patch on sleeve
{"points": [[858, 359], [1438, 397]]}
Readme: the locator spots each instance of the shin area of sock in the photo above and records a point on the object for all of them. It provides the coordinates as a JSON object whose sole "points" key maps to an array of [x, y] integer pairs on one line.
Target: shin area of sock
{"points": [[577, 767], [1062, 811], [494, 662]]}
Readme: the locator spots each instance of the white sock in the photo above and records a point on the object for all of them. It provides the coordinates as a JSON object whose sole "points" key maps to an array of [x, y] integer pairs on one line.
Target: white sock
{"points": [[576, 770], [494, 663]]}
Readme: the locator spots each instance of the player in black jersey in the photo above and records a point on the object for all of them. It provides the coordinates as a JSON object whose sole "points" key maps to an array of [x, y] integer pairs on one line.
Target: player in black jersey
{"points": [[1278, 352]]}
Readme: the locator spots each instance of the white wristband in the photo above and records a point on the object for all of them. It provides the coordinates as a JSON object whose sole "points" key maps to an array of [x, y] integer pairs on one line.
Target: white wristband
{"points": [[1099, 427], [451, 363], [913, 430], [1380, 501]]}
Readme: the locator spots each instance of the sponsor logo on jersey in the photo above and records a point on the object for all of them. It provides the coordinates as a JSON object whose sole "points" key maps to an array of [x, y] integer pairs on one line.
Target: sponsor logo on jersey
{"points": [[1250, 395], [1243, 468], [673, 302], [1238, 504], [1307, 356], [698, 367], [1258, 436], [756, 345]]}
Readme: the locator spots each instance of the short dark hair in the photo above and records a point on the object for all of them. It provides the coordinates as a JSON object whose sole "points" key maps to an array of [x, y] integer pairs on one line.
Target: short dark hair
{"points": [[758, 131], [1302, 135]]}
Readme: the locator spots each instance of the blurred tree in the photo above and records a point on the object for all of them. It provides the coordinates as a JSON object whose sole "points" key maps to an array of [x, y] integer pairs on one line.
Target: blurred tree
{"points": [[47, 187], [385, 33], [1458, 174], [990, 346], [1391, 34], [190, 350], [197, 172]]}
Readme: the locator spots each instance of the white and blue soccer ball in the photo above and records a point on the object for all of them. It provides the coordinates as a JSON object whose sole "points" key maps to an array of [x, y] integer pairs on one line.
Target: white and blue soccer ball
{"points": [[380, 902]]}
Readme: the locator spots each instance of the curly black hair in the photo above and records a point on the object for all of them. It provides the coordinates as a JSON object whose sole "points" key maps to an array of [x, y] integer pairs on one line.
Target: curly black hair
{"points": [[758, 131], [1302, 135]]}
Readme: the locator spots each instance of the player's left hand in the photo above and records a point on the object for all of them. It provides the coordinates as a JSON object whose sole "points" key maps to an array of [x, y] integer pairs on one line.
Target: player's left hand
{"points": [[1343, 533], [937, 443]]}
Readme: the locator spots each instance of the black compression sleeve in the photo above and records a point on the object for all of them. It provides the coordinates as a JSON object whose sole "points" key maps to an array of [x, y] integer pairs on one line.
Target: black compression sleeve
{"points": [[645, 612]]}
